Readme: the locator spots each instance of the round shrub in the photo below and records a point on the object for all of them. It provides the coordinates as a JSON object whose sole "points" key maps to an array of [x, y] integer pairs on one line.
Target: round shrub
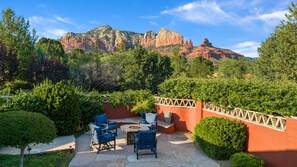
{"points": [[20, 128], [62, 105], [219, 138], [246, 160], [89, 107]]}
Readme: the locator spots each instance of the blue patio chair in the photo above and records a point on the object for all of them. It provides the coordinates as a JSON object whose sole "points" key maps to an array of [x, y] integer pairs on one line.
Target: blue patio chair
{"points": [[103, 139], [101, 121], [150, 119], [145, 140]]}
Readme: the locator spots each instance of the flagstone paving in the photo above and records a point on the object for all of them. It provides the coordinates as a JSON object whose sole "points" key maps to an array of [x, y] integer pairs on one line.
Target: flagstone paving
{"points": [[174, 150]]}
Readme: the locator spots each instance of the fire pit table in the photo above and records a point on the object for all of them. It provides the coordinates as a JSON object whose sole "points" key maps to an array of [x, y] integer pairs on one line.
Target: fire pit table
{"points": [[132, 130]]}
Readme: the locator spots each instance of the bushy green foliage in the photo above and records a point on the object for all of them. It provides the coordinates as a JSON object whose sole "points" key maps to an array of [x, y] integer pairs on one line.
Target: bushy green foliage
{"points": [[246, 160], [241, 68], [89, 107], [129, 97], [277, 54], [219, 138], [17, 84], [62, 104], [20, 128], [144, 106], [24, 101], [269, 97], [6, 91], [201, 68]]}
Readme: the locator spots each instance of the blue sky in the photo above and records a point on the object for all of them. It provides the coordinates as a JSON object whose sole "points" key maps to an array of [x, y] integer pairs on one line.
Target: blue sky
{"points": [[239, 25]]}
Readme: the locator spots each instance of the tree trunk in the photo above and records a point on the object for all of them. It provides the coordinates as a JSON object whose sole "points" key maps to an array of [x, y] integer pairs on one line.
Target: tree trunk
{"points": [[22, 156]]}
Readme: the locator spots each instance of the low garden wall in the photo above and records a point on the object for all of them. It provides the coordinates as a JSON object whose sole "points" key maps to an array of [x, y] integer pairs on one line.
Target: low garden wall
{"points": [[274, 139], [118, 112]]}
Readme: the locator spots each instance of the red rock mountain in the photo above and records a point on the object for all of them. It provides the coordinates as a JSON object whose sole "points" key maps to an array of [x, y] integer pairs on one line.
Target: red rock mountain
{"points": [[108, 40]]}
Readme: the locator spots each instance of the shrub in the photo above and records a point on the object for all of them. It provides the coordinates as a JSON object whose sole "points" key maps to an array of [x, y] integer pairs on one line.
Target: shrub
{"points": [[89, 107], [129, 97], [62, 104], [219, 138], [6, 91], [25, 101], [277, 98], [18, 84], [19, 128], [144, 106], [246, 160]]}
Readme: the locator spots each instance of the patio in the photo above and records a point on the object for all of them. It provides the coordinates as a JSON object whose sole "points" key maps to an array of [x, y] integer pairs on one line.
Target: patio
{"points": [[176, 150]]}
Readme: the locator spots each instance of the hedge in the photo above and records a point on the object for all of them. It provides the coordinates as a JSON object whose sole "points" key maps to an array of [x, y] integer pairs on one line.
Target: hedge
{"points": [[246, 160], [219, 138], [278, 98]]}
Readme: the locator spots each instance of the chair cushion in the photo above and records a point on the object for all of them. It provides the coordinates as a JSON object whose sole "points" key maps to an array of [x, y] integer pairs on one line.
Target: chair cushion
{"points": [[150, 118], [100, 119], [112, 126]]}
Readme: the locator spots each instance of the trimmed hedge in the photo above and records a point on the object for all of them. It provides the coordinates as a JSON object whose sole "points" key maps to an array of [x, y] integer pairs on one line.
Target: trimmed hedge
{"points": [[246, 160], [278, 98], [219, 138]]}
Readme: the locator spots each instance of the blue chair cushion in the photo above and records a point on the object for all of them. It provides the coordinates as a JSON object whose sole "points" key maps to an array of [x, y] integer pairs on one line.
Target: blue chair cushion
{"points": [[100, 119]]}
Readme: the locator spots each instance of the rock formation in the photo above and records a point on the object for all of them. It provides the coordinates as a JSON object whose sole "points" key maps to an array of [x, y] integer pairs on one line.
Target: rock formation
{"points": [[108, 40], [166, 37], [207, 51]]}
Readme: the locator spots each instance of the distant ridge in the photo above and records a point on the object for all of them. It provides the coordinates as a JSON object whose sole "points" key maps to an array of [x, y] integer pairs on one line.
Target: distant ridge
{"points": [[106, 39]]}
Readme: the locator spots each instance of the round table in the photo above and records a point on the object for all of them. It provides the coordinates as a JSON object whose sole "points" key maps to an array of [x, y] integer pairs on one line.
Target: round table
{"points": [[132, 130]]}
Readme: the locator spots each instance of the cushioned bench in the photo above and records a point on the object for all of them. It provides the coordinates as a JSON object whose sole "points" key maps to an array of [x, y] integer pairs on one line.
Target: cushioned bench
{"points": [[162, 126]]}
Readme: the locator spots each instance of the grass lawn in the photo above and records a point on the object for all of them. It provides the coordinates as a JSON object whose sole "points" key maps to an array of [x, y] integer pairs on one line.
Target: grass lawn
{"points": [[53, 159]]}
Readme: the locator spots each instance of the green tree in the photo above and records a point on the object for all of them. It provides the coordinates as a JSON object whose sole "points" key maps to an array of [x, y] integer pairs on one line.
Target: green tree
{"points": [[241, 68], [51, 48], [179, 64], [20, 128], [278, 54], [144, 70], [8, 64], [16, 37], [201, 68]]}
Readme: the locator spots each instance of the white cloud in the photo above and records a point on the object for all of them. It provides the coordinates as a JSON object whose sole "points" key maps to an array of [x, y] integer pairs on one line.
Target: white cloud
{"points": [[201, 12], [41, 6], [235, 12], [57, 32], [64, 20], [270, 20], [149, 17], [154, 23], [247, 48]]}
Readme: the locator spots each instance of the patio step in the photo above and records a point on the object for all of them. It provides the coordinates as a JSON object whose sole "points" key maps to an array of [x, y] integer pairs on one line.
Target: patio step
{"points": [[162, 126]]}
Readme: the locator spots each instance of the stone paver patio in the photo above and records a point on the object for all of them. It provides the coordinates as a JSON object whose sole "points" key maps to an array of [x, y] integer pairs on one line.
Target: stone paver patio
{"points": [[174, 150]]}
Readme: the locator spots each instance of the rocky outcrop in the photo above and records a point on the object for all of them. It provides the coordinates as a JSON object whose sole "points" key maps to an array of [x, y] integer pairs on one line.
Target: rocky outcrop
{"points": [[207, 51], [166, 37], [106, 39], [149, 39]]}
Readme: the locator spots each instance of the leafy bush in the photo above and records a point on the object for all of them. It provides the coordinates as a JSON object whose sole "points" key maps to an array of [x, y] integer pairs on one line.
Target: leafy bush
{"points": [[246, 160], [277, 98], [18, 84], [6, 91], [144, 106], [25, 101], [219, 138], [20, 128], [129, 97], [89, 107], [62, 104]]}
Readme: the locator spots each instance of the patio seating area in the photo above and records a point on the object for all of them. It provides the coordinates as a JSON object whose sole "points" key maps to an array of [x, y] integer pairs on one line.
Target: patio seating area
{"points": [[175, 150]]}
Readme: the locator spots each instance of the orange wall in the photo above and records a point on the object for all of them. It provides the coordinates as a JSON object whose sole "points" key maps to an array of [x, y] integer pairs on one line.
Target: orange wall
{"points": [[118, 112], [276, 148]]}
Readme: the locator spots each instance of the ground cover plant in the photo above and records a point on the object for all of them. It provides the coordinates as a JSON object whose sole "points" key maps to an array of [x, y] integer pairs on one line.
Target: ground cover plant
{"points": [[51, 159]]}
